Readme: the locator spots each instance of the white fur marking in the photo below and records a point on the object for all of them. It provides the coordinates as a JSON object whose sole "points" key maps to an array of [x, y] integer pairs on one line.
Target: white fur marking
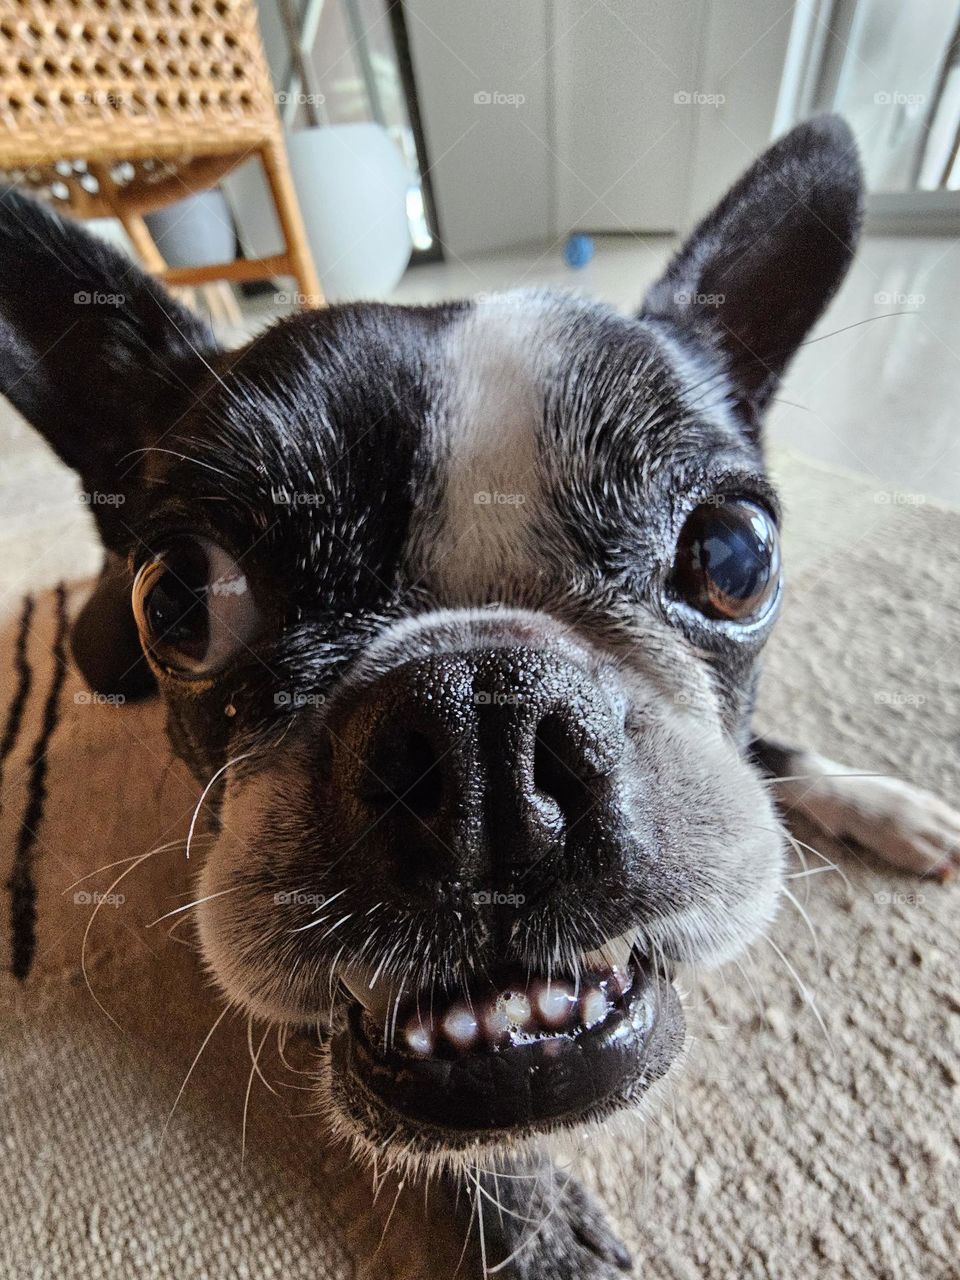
{"points": [[904, 825], [494, 411]]}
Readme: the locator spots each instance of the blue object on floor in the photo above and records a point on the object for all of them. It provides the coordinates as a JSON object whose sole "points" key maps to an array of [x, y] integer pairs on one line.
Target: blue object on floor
{"points": [[578, 250]]}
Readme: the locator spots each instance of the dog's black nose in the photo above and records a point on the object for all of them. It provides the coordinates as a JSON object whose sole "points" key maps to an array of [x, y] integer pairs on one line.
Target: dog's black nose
{"points": [[493, 768]]}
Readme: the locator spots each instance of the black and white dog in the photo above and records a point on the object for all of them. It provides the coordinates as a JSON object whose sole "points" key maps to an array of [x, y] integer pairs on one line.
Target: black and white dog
{"points": [[456, 611]]}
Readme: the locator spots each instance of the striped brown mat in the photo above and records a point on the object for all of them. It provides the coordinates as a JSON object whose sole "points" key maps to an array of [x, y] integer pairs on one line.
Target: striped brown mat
{"points": [[793, 1143]]}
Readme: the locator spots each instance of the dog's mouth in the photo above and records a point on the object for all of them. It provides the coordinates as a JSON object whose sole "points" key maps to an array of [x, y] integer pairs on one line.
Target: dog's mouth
{"points": [[512, 1054]]}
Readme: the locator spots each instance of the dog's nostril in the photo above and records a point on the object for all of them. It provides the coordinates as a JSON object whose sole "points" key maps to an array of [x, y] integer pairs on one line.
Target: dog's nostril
{"points": [[559, 773], [404, 768]]}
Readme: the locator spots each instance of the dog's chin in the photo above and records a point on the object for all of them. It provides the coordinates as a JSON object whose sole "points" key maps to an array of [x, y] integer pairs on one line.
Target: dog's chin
{"points": [[518, 1058]]}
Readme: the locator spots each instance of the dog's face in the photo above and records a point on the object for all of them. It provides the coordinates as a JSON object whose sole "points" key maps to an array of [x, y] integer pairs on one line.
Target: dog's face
{"points": [[461, 607]]}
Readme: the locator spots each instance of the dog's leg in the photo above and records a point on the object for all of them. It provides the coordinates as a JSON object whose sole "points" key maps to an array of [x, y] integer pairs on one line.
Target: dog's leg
{"points": [[904, 825], [539, 1223]]}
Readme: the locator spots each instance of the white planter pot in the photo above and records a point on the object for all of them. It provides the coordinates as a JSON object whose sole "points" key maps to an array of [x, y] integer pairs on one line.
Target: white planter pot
{"points": [[352, 184], [194, 232]]}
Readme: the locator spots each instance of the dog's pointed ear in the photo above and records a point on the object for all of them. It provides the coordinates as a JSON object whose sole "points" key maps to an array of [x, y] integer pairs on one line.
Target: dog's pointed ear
{"points": [[93, 352], [758, 271]]}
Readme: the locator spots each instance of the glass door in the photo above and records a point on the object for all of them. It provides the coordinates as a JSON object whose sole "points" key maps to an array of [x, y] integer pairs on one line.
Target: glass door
{"points": [[361, 70], [893, 70]]}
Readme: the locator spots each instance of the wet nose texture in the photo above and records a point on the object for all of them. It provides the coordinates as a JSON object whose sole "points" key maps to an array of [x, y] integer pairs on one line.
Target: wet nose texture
{"points": [[494, 767]]}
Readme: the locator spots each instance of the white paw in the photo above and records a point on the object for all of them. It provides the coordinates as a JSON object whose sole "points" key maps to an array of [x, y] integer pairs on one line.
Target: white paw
{"points": [[904, 825]]}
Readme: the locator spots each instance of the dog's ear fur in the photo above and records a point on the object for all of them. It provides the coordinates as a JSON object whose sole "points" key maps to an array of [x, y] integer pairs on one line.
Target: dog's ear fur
{"points": [[102, 361], [93, 352], [757, 272]]}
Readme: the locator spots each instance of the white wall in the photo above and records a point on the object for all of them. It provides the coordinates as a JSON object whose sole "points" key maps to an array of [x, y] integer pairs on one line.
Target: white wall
{"points": [[624, 139], [605, 139], [743, 61]]}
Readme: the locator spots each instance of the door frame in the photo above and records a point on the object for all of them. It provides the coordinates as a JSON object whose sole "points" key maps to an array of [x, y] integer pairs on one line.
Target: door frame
{"points": [[811, 78]]}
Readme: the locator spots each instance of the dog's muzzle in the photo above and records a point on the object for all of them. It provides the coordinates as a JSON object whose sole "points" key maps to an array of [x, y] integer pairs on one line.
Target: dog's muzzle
{"points": [[492, 782]]}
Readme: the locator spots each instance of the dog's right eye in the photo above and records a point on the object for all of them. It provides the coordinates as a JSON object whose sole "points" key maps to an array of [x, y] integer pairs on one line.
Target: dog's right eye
{"points": [[194, 608], [727, 563]]}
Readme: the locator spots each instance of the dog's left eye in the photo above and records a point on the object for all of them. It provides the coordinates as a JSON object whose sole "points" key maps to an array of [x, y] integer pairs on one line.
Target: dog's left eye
{"points": [[194, 607], [727, 563]]}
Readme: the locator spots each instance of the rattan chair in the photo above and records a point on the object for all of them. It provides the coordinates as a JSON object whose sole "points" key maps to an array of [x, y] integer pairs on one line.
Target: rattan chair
{"points": [[119, 107]]}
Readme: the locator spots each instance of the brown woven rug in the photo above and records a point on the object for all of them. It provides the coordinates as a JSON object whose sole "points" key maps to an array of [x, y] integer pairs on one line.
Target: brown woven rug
{"points": [[793, 1144]]}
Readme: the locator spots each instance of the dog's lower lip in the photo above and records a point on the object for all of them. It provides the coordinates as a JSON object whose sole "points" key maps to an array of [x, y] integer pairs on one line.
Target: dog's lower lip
{"points": [[475, 1081]]}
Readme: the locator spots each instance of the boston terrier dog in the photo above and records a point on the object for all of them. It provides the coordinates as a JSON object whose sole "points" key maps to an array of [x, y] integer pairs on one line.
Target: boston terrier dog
{"points": [[457, 613]]}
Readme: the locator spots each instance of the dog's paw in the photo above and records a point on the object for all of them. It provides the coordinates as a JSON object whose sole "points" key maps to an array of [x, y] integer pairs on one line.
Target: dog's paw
{"points": [[545, 1226], [907, 827]]}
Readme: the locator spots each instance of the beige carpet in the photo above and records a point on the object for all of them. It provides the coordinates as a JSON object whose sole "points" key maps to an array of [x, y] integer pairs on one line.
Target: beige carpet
{"points": [[793, 1144]]}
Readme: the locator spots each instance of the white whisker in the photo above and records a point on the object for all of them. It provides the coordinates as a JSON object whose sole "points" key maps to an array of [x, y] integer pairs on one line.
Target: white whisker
{"points": [[802, 988], [254, 1071], [188, 906], [206, 790], [186, 1079]]}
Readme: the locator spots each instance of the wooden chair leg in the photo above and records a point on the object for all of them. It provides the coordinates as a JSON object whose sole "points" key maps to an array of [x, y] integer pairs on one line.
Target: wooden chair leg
{"points": [[143, 242], [133, 223], [275, 166]]}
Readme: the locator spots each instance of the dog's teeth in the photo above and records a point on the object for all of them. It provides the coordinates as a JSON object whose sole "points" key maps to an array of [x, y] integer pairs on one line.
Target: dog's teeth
{"points": [[516, 1006], [460, 1026], [554, 1003], [594, 1006], [509, 1011], [495, 1022], [418, 1038], [542, 1009]]}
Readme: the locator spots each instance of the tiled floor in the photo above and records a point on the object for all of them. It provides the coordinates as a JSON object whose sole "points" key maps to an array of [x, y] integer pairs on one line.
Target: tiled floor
{"points": [[879, 398]]}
